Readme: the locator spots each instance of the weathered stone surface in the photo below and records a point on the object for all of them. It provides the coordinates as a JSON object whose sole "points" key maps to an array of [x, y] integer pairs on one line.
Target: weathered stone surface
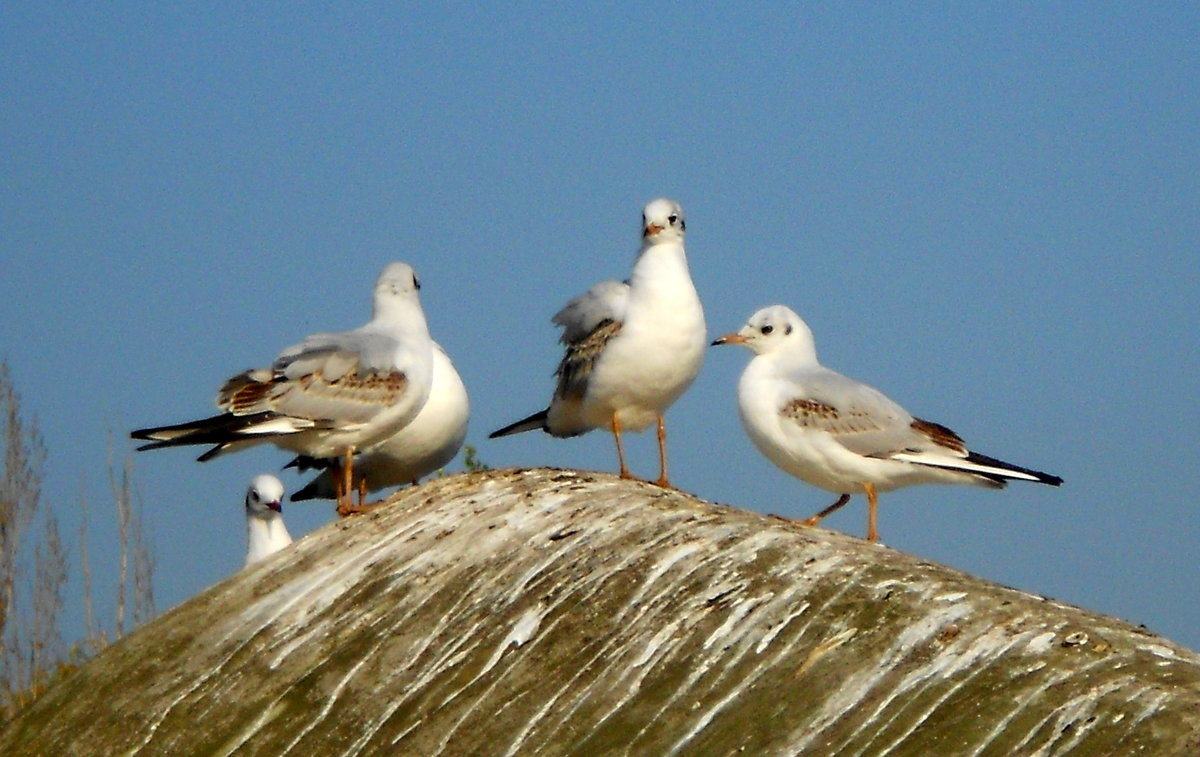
{"points": [[553, 612]]}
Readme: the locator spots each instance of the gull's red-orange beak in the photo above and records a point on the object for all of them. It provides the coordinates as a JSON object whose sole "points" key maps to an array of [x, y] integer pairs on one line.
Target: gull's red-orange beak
{"points": [[729, 339], [651, 229]]}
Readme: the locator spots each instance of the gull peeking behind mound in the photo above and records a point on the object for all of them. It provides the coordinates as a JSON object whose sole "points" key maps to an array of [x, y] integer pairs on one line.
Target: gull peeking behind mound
{"points": [[265, 532]]}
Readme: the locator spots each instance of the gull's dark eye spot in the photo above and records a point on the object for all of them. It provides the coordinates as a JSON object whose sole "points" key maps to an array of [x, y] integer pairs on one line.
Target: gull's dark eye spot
{"points": [[788, 330], [767, 329], [672, 219]]}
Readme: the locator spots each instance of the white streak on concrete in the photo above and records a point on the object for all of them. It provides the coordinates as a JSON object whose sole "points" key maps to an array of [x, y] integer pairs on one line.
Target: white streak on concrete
{"points": [[652, 646], [1041, 643], [770, 635]]}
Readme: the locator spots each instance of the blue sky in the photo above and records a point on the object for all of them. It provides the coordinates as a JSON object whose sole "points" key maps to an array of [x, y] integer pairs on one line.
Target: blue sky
{"points": [[989, 211]]}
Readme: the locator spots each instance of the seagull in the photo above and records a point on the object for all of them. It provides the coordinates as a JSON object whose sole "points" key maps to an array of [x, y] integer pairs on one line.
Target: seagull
{"points": [[266, 534], [329, 395], [633, 347], [842, 436], [428, 442]]}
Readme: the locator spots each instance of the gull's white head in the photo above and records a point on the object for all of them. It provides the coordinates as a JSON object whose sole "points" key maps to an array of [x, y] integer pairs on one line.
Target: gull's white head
{"points": [[775, 329], [397, 282], [264, 497], [397, 279], [662, 221]]}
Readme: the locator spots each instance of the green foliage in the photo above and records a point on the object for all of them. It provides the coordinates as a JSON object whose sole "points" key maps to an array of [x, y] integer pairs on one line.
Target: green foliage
{"points": [[471, 460]]}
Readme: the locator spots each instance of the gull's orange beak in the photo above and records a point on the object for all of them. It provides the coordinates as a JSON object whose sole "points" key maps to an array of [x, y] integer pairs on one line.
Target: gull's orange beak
{"points": [[729, 339], [651, 229]]}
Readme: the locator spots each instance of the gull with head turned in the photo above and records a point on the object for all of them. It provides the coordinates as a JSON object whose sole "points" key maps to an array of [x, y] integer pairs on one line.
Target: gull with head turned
{"points": [[329, 395], [840, 435]]}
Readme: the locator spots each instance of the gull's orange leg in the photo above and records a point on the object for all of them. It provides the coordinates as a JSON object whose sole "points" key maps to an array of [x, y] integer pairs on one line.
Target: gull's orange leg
{"points": [[662, 453], [814, 520], [345, 503], [872, 512], [616, 429], [339, 483], [362, 506]]}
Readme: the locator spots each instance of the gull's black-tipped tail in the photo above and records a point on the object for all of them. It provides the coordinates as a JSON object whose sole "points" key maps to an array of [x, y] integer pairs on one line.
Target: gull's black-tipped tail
{"points": [[1018, 473], [532, 423], [219, 430], [166, 436]]}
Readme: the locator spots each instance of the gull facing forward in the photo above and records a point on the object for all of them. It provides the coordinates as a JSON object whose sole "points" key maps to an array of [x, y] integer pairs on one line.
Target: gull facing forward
{"points": [[840, 435], [632, 347], [328, 395], [265, 532]]}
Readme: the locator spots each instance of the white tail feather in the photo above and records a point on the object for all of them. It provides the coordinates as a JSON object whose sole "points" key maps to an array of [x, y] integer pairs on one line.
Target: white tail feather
{"points": [[958, 463]]}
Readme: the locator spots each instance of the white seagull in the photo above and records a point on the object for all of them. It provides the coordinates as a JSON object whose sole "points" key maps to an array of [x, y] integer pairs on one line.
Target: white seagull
{"points": [[632, 347], [840, 435], [329, 395], [428, 442], [266, 534]]}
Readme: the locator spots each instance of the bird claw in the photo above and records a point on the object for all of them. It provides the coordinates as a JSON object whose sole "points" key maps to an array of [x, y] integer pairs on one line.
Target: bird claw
{"points": [[346, 510]]}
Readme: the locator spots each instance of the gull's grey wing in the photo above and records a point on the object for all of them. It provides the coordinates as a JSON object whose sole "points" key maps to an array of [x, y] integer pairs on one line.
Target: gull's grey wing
{"points": [[317, 385], [861, 418], [581, 316], [371, 351]]}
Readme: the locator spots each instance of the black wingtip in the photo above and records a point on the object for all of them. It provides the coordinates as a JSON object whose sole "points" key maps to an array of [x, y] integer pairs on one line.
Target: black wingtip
{"points": [[305, 463], [535, 421], [1042, 478], [305, 494], [210, 453]]}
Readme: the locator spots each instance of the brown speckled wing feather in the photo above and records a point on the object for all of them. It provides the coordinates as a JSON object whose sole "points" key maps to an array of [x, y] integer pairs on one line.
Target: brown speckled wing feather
{"points": [[576, 366], [349, 396], [940, 435], [821, 417]]}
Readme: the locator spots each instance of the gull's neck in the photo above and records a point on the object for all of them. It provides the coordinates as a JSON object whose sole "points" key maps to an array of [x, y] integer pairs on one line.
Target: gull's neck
{"points": [[664, 262], [399, 316], [265, 536], [796, 359]]}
